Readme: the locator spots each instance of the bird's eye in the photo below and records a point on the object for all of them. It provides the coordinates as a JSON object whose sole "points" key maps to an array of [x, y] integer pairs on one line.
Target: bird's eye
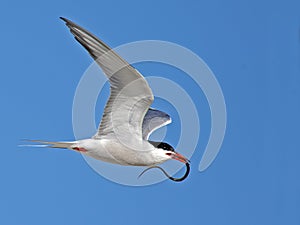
{"points": [[169, 154]]}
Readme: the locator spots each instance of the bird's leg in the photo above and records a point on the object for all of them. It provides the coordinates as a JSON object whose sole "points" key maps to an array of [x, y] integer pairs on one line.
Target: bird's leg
{"points": [[79, 149]]}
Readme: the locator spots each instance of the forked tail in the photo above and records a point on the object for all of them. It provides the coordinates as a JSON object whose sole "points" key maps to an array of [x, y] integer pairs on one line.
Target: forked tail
{"points": [[50, 144]]}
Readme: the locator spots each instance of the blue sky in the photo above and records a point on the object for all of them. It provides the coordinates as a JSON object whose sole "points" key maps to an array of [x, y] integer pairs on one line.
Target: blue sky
{"points": [[253, 49]]}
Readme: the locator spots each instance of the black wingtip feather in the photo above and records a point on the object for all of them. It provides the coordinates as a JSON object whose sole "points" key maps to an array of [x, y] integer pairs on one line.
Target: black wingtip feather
{"points": [[64, 19]]}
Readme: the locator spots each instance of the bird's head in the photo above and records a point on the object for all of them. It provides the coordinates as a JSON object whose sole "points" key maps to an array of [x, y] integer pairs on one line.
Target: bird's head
{"points": [[169, 151], [165, 152]]}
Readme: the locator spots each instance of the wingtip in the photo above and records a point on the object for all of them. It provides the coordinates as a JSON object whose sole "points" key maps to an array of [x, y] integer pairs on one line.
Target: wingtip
{"points": [[63, 18]]}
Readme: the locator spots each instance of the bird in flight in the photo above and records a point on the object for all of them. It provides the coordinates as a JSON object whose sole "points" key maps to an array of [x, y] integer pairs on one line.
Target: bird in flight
{"points": [[128, 120]]}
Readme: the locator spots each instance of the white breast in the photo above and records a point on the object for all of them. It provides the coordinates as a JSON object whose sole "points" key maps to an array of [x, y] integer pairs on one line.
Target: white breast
{"points": [[113, 151]]}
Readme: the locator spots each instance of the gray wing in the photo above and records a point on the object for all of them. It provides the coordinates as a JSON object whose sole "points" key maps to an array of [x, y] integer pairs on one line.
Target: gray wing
{"points": [[130, 95], [153, 120]]}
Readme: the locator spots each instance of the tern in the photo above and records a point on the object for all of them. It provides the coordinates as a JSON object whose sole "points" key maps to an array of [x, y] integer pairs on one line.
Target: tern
{"points": [[127, 121]]}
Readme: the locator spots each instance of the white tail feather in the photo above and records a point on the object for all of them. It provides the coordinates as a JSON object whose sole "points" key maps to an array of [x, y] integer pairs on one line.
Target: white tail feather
{"points": [[37, 146], [50, 144]]}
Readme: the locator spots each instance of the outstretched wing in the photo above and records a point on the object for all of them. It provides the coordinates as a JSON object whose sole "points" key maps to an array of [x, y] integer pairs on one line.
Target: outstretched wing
{"points": [[130, 95], [153, 120]]}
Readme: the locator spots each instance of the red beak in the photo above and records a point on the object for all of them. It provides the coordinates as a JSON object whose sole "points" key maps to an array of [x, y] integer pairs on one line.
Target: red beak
{"points": [[180, 157]]}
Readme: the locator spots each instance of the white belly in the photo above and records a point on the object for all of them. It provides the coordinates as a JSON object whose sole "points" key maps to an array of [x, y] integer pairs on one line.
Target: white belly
{"points": [[114, 152]]}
